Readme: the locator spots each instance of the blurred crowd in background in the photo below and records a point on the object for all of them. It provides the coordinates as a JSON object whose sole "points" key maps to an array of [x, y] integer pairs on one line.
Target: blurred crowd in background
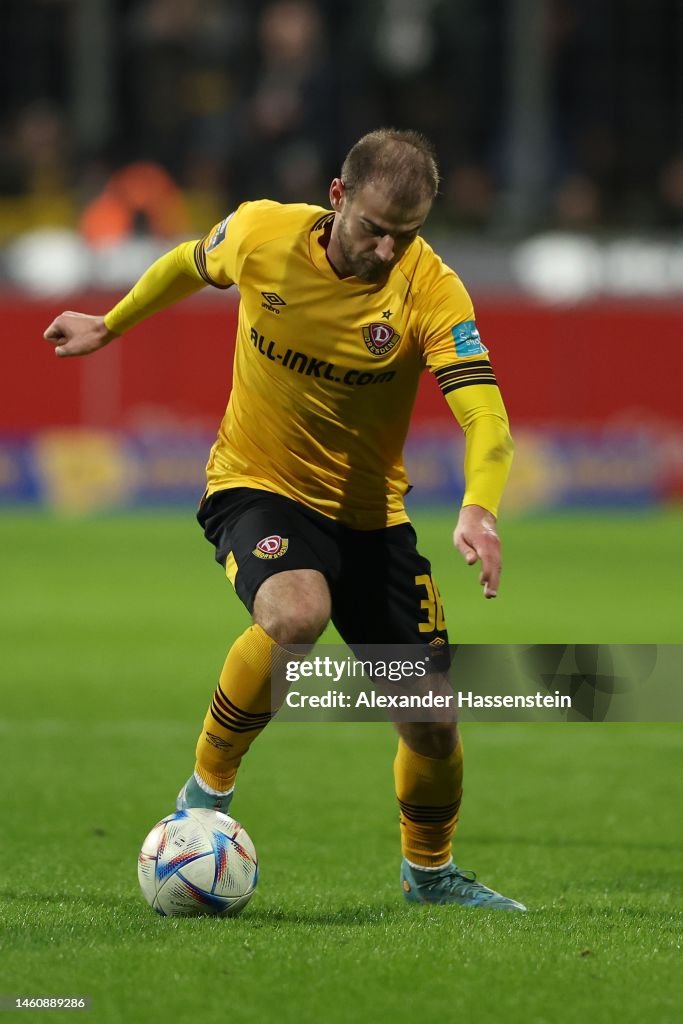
{"points": [[159, 115], [126, 125]]}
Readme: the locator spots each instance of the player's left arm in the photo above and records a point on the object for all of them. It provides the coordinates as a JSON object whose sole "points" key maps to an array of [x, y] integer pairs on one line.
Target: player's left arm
{"points": [[454, 352], [480, 411]]}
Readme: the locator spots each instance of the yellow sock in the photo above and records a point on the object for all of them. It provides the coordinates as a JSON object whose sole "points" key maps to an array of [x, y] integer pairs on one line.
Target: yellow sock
{"points": [[429, 791], [240, 709]]}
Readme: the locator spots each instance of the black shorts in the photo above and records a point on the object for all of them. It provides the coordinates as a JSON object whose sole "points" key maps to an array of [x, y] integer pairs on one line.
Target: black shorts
{"points": [[381, 587]]}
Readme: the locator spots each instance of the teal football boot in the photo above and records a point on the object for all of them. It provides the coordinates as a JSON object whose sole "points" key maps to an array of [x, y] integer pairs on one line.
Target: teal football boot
{"points": [[451, 885], [192, 795]]}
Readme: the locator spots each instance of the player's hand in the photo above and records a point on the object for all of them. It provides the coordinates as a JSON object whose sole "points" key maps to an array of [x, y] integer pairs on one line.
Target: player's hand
{"points": [[476, 539], [78, 334]]}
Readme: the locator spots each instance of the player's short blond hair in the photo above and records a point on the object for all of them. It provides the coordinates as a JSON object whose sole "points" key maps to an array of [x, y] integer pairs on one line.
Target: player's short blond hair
{"points": [[401, 162]]}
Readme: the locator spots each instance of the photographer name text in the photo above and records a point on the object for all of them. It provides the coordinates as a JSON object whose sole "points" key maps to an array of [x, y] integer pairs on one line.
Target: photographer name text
{"points": [[459, 699]]}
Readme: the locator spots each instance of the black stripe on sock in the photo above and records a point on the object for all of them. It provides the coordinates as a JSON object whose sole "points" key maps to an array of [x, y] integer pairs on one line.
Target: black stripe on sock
{"points": [[234, 724], [232, 717], [225, 702], [429, 815]]}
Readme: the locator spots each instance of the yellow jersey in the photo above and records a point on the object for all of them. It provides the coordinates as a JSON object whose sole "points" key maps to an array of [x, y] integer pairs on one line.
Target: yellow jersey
{"points": [[326, 368]]}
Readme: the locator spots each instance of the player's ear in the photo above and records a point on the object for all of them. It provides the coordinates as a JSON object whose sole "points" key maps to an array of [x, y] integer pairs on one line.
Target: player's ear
{"points": [[337, 192]]}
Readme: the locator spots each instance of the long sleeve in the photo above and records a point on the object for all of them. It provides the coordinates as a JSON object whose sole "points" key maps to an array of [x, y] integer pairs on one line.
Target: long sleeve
{"points": [[480, 411], [172, 277]]}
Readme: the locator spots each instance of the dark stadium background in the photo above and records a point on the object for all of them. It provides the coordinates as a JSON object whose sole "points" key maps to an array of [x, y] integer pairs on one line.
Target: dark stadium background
{"points": [[559, 126], [126, 125]]}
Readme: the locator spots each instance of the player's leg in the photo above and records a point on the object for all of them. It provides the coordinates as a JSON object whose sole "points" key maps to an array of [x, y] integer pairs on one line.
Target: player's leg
{"points": [[265, 547], [292, 607], [428, 773], [388, 594]]}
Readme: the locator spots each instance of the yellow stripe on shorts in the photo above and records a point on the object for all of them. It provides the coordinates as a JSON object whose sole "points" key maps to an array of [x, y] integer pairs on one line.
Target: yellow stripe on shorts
{"points": [[231, 567]]}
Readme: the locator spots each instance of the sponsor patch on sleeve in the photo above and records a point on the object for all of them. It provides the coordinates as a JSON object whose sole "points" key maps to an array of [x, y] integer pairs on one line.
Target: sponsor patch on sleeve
{"points": [[467, 339], [218, 234]]}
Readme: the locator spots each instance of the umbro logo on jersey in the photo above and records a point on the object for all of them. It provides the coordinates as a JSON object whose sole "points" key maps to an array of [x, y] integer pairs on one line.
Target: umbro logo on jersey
{"points": [[272, 301], [271, 547], [380, 338]]}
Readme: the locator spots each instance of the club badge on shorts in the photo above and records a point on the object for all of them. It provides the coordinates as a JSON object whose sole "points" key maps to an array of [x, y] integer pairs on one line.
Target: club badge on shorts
{"points": [[380, 338], [271, 547]]}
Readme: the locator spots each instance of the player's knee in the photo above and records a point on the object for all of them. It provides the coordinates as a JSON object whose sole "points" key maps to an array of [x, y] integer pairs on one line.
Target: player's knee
{"points": [[293, 607], [302, 624]]}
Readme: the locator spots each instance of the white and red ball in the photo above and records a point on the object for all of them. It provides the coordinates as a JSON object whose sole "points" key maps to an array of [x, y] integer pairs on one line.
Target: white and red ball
{"points": [[195, 862]]}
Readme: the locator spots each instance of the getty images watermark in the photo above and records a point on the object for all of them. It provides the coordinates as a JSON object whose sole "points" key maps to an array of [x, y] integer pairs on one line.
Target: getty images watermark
{"points": [[426, 696], [486, 682]]}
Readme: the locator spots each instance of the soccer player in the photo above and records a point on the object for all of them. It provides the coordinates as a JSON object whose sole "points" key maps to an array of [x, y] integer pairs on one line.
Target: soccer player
{"points": [[340, 311]]}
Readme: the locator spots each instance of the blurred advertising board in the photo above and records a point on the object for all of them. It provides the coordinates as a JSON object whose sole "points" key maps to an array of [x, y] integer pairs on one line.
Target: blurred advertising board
{"points": [[593, 393]]}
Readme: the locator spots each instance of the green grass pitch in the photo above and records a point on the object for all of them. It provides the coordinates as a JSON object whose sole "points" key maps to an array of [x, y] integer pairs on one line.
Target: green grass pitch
{"points": [[113, 632]]}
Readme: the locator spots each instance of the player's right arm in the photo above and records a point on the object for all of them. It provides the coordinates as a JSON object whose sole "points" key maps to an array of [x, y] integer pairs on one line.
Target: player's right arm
{"points": [[172, 277], [215, 260]]}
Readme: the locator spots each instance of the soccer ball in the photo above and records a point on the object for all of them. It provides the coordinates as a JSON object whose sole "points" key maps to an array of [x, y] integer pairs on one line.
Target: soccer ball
{"points": [[197, 862]]}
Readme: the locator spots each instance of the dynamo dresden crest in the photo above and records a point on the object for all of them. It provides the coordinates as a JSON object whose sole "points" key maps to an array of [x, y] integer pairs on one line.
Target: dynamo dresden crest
{"points": [[380, 338], [271, 547]]}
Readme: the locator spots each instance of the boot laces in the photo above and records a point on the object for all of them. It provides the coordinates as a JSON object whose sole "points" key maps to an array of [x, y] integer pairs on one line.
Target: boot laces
{"points": [[463, 882]]}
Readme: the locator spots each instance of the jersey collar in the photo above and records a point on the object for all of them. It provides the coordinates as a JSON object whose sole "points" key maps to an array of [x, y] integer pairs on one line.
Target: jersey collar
{"points": [[319, 258]]}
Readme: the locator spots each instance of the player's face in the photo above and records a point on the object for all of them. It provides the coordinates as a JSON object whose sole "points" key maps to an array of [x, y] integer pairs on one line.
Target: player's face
{"points": [[371, 233]]}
